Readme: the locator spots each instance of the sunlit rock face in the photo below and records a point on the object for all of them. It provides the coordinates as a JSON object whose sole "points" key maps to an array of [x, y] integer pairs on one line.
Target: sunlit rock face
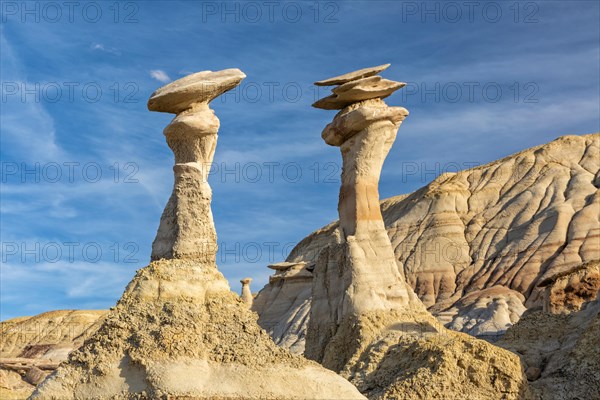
{"points": [[365, 321], [178, 331], [560, 351], [358, 274], [507, 226], [33, 347]]}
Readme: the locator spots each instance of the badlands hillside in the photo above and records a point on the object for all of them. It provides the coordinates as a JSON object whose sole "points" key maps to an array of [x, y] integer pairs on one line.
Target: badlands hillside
{"points": [[479, 247]]}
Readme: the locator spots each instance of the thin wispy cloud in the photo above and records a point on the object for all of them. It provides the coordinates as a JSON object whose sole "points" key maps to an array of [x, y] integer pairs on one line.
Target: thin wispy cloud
{"points": [[106, 49], [160, 75]]}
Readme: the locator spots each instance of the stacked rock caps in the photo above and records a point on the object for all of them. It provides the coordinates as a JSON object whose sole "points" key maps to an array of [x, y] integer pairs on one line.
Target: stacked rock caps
{"points": [[358, 276], [356, 86], [366, 322]]}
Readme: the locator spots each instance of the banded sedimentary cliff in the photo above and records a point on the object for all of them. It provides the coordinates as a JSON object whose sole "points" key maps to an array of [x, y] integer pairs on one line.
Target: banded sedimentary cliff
{"points": [[477, 245], [178, 331]]}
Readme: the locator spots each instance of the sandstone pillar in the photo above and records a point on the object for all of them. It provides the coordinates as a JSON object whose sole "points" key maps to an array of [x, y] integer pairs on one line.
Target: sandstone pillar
{"points": [[186, 227], [178, 331]]}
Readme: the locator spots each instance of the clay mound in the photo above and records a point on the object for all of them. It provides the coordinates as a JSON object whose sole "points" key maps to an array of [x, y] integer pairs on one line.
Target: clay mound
{"points": [[179, 332], [561, 352], [50, 335], [420, 359], [568, 291], [512, 223], [486, 313], [32, 347]]}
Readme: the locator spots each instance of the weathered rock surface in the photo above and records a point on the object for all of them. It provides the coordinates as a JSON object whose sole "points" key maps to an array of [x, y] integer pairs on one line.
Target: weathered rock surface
{"points": [[277, 317], [246, 294], [32, 347], [13, 386], [560, 351], [420, 359], [567, 291], [186, 227], [358, 275], [486, 313], [353, 76], [178, 331], [366, 322], [198, 88], [512, 223], [51, 335]]}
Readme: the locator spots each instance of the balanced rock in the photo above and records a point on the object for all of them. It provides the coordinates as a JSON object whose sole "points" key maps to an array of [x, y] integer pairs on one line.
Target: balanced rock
{"points": [[365, 321], [352, 76], [358, 276], [377, 88], [201, 87], [192, 136], [246, 292], [178, 331], [357, 86]]}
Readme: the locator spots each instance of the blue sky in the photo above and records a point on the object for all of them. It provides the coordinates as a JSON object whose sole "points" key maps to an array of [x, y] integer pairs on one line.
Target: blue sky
{"points": [[483, 82]]}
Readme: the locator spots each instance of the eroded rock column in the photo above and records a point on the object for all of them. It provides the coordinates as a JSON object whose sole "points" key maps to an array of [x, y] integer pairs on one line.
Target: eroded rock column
{"points": [[178, 331], [246, 292], [186, 227], [359, 275]]}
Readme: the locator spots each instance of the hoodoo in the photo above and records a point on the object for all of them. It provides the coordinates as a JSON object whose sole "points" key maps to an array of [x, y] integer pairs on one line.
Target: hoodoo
{"points": [[359, 275], [365, 321], [178, 331]]}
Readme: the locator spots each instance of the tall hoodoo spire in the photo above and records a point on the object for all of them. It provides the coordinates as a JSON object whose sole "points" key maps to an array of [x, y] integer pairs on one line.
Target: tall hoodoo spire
{"points": [[362, 267], [186, 227], [178, 331]]}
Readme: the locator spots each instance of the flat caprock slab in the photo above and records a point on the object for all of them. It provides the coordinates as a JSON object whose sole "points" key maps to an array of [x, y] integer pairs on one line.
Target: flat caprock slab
{"points": [[352, 76], [201, 87]]}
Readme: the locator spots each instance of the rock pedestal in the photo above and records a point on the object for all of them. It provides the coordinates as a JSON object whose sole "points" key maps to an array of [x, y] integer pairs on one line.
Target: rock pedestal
{"points": [[362, 268], [365, 320], [186, 227], [246, 292], [178, 331]]}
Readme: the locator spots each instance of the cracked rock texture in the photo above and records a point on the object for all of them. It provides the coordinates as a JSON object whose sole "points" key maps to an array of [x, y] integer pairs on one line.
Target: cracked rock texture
{"points": [[494, 232], [569, 290], [561, 352], [420, 359], [179, 332]]}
